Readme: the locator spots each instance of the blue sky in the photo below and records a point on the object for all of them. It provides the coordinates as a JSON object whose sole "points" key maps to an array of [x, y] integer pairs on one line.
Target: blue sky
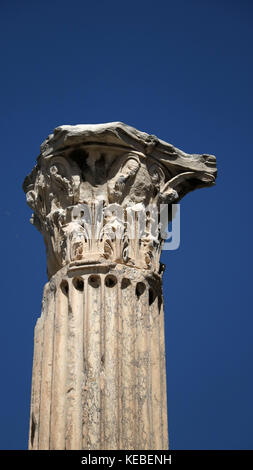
{"points": [[181, 70]]}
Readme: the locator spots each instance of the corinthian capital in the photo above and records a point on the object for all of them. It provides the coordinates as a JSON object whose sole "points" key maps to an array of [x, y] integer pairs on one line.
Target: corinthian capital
{"points": [[93, 183]]}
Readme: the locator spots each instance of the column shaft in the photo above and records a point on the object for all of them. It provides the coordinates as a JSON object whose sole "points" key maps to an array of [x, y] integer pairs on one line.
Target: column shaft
{"points": [[99, 368]]}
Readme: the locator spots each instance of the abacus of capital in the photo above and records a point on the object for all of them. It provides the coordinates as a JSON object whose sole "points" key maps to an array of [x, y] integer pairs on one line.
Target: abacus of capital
{"points": [[99, 379]]}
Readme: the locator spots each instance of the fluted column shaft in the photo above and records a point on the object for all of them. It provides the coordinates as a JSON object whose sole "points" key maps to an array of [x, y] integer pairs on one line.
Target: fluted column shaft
{"points": [[99, 362]]}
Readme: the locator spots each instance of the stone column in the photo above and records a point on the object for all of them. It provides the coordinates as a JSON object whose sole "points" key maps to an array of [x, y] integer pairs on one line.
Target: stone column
{"points": [[99, 378]]}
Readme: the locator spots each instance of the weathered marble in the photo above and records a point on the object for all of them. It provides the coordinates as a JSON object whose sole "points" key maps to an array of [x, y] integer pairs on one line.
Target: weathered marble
{"points": [[99, 359]]}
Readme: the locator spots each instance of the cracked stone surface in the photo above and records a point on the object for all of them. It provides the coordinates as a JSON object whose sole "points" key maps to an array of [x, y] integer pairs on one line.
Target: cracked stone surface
{"points": [[99, 360]]}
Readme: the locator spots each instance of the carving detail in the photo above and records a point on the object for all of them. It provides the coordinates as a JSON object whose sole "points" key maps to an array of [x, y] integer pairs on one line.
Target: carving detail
{"points": [[93, 185]]}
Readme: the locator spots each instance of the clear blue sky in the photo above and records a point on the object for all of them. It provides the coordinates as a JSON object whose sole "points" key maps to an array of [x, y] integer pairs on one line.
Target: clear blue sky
{"points": [[181, 70]]}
